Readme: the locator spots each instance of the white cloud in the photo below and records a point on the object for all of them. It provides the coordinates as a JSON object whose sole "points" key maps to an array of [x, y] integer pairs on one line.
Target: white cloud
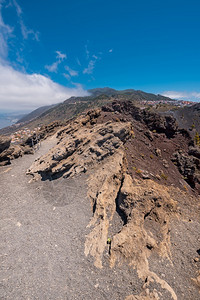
{"points": [[24, 30], [18, 8], [90, 67], [78, 61], [60, 55], [5, 34], [175, 94], [54, 67], [110, 51], [87, 52], [71, 72], [193, 96], [196, 95], [67, 76], [21, 91]]}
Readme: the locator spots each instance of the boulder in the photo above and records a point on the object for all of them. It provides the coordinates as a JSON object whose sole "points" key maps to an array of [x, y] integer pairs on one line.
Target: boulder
{"points": [[4, 143]]}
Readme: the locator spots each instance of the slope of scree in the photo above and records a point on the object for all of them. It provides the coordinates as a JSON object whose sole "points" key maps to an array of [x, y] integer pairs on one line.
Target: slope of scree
{"points": [[128, 155]]}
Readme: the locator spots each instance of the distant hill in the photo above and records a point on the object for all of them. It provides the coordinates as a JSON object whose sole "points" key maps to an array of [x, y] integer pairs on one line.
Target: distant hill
{"points": [[76, 105], [137, 95], [106, 91], [34, 114]]}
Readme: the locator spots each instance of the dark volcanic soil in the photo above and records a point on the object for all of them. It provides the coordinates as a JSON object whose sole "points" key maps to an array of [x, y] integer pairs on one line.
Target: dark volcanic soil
{"points": [[149, 153]]}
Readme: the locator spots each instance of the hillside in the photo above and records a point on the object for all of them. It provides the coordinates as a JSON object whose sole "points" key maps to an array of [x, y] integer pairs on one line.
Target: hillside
{"points": [[132, 94], [76, 105], [189, 117], [116, 199], [34, 114]]}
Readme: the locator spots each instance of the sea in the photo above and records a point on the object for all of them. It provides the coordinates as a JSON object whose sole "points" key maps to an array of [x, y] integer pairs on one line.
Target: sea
{"points": [[8, 119]]}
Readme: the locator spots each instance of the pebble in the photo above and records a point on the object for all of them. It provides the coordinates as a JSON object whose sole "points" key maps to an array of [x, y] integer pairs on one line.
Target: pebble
{"points": [[196, 259]]}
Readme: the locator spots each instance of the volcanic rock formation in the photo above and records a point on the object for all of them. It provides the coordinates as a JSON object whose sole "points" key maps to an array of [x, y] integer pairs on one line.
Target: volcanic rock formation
{"points": [[136, 169]]}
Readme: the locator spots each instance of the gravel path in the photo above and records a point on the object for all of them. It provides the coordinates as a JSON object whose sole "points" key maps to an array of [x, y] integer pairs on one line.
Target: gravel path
{"points": [[42, 234]]}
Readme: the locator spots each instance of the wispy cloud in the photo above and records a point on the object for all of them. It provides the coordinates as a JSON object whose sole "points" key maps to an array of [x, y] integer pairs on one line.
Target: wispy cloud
{"points": [[87, 52], [182, 95], [196, 95], [174, 94], [110, 51], [26, 32], [54, 66], [71, 72], [67, 76], [23, 91], [18, 8], [78, 61], [61, 56], [90, 67], [24, 29], [5, 34], [92, 61]]}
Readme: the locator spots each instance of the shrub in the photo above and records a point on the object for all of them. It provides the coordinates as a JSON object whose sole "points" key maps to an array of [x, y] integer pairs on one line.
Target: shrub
{"points": [[163, 176], [138, 171], [197, 139], [132, 134]]}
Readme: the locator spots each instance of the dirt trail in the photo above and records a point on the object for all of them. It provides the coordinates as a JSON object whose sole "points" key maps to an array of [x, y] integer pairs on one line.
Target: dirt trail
{"points": [[42, 234]]}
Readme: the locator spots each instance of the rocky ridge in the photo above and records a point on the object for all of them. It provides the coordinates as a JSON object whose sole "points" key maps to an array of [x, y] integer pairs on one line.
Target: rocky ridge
{"points": [[146, 189], [9, 151]]}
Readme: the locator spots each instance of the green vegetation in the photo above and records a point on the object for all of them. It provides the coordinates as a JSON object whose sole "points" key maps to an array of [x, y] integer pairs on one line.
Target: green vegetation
{"points": [[163, 176], [197, 139]]}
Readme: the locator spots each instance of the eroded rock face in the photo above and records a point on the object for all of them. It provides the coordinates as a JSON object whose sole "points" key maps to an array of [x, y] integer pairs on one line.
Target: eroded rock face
{"points": [[161, 124], [9, 151], [4, 153], [189, 166], [4, 143], [80, 148], [147, 208]]}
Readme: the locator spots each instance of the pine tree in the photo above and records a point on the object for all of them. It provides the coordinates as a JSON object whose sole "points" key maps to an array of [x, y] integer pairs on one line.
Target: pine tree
{"points": [[197, 139]]}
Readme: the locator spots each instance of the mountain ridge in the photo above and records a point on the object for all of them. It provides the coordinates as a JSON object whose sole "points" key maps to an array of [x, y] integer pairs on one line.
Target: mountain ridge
{"points": [[74, 105]]}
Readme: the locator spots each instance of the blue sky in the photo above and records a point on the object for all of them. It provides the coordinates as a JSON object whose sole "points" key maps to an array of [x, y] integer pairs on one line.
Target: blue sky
{"points": [[50, 50]]}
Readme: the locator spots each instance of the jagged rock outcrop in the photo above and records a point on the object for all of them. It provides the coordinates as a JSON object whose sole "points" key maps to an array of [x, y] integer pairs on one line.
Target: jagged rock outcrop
{"points": [[81, 148], [10, 151], [4, 143], [148, 204], [4, 153], [161, 124], [189, 166]]}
